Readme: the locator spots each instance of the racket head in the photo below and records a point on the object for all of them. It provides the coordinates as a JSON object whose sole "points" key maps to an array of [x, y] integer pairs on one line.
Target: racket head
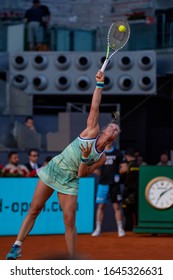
{"points": [[118, 39]]}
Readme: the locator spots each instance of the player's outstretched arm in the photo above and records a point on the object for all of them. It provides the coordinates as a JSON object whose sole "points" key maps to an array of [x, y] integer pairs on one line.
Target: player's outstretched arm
{"points": [[92, 129]]}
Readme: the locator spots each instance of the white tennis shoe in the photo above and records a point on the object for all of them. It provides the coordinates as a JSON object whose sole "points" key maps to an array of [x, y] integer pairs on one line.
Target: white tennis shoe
{"points": [[96, 232], [121, 232]]}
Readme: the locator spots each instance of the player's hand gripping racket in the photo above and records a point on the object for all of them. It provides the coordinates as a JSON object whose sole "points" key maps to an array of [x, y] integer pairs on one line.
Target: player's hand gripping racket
{"points": [[118, 36]]}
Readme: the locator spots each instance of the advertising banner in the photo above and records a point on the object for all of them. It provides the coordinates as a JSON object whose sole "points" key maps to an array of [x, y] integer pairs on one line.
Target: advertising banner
{"points": [[15, 198]]}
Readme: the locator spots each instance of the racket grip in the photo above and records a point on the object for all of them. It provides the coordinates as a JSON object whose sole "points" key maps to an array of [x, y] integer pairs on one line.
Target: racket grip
{"points": [[104, 65]]}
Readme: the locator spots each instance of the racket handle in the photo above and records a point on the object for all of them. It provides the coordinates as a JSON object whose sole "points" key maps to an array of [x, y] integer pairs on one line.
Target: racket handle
{"points": [[104, 65]]}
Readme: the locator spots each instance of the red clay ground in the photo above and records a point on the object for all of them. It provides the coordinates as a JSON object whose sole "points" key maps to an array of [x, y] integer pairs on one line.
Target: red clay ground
{"points": [[108, 246]]}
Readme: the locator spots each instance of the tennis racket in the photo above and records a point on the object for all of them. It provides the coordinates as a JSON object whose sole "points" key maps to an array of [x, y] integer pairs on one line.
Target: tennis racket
{"points": [[118, 36]]}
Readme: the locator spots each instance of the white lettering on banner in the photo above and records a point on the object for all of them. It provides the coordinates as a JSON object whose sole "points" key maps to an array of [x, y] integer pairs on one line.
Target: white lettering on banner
{"points": [[15, 198]]}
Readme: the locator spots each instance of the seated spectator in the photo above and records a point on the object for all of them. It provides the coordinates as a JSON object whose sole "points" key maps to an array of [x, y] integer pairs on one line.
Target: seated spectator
{"points": [[26, 135], [32, 163], [33, 20], [29, 123], [13, 168], [164, 159]]}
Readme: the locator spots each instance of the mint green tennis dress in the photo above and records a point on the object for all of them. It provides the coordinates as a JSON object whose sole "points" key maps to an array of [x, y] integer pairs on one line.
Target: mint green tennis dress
{"points": [[61, 172]]}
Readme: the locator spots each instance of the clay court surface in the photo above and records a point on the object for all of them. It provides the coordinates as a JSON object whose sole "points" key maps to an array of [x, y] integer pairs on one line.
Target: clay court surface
{"points": [[107, 246]]}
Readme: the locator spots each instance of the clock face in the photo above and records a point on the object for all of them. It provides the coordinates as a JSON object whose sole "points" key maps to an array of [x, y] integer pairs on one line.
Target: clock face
{"points": [[159, 192]]}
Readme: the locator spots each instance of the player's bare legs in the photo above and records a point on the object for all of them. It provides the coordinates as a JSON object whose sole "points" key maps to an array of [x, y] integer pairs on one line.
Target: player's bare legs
{"points": [[68, 204], [41, 195]]}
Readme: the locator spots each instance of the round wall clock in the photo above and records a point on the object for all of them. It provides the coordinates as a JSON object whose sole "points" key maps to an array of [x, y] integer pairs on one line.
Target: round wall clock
{"points": [[159, 193]]}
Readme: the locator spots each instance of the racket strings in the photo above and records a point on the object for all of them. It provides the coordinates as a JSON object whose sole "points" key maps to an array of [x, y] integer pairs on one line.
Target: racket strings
{"points": [[117, 39]]}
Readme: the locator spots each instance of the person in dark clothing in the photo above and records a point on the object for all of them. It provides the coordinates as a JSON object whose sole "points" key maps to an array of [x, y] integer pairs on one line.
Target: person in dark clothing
{"points": [[29, 123], [130, 171], [32, 163], [109, 188], [33, 19]]}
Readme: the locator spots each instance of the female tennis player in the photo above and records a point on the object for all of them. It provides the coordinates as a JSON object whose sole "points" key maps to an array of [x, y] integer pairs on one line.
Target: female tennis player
{"points": [[62, 173]]}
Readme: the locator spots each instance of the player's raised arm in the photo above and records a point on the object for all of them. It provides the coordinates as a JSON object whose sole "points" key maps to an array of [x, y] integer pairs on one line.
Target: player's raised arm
{"points": [[92, 129]]}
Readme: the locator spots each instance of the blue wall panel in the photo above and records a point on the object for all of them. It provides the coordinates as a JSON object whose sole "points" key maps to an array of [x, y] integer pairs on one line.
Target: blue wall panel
{"points": [[15, 198]]}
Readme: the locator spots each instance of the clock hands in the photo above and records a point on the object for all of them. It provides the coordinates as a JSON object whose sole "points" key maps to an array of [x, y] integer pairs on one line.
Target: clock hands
{"points": [[164, 193]]}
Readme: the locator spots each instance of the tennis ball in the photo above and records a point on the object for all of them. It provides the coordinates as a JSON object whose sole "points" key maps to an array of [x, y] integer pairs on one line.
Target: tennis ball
{"points": [[122, 28]]}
